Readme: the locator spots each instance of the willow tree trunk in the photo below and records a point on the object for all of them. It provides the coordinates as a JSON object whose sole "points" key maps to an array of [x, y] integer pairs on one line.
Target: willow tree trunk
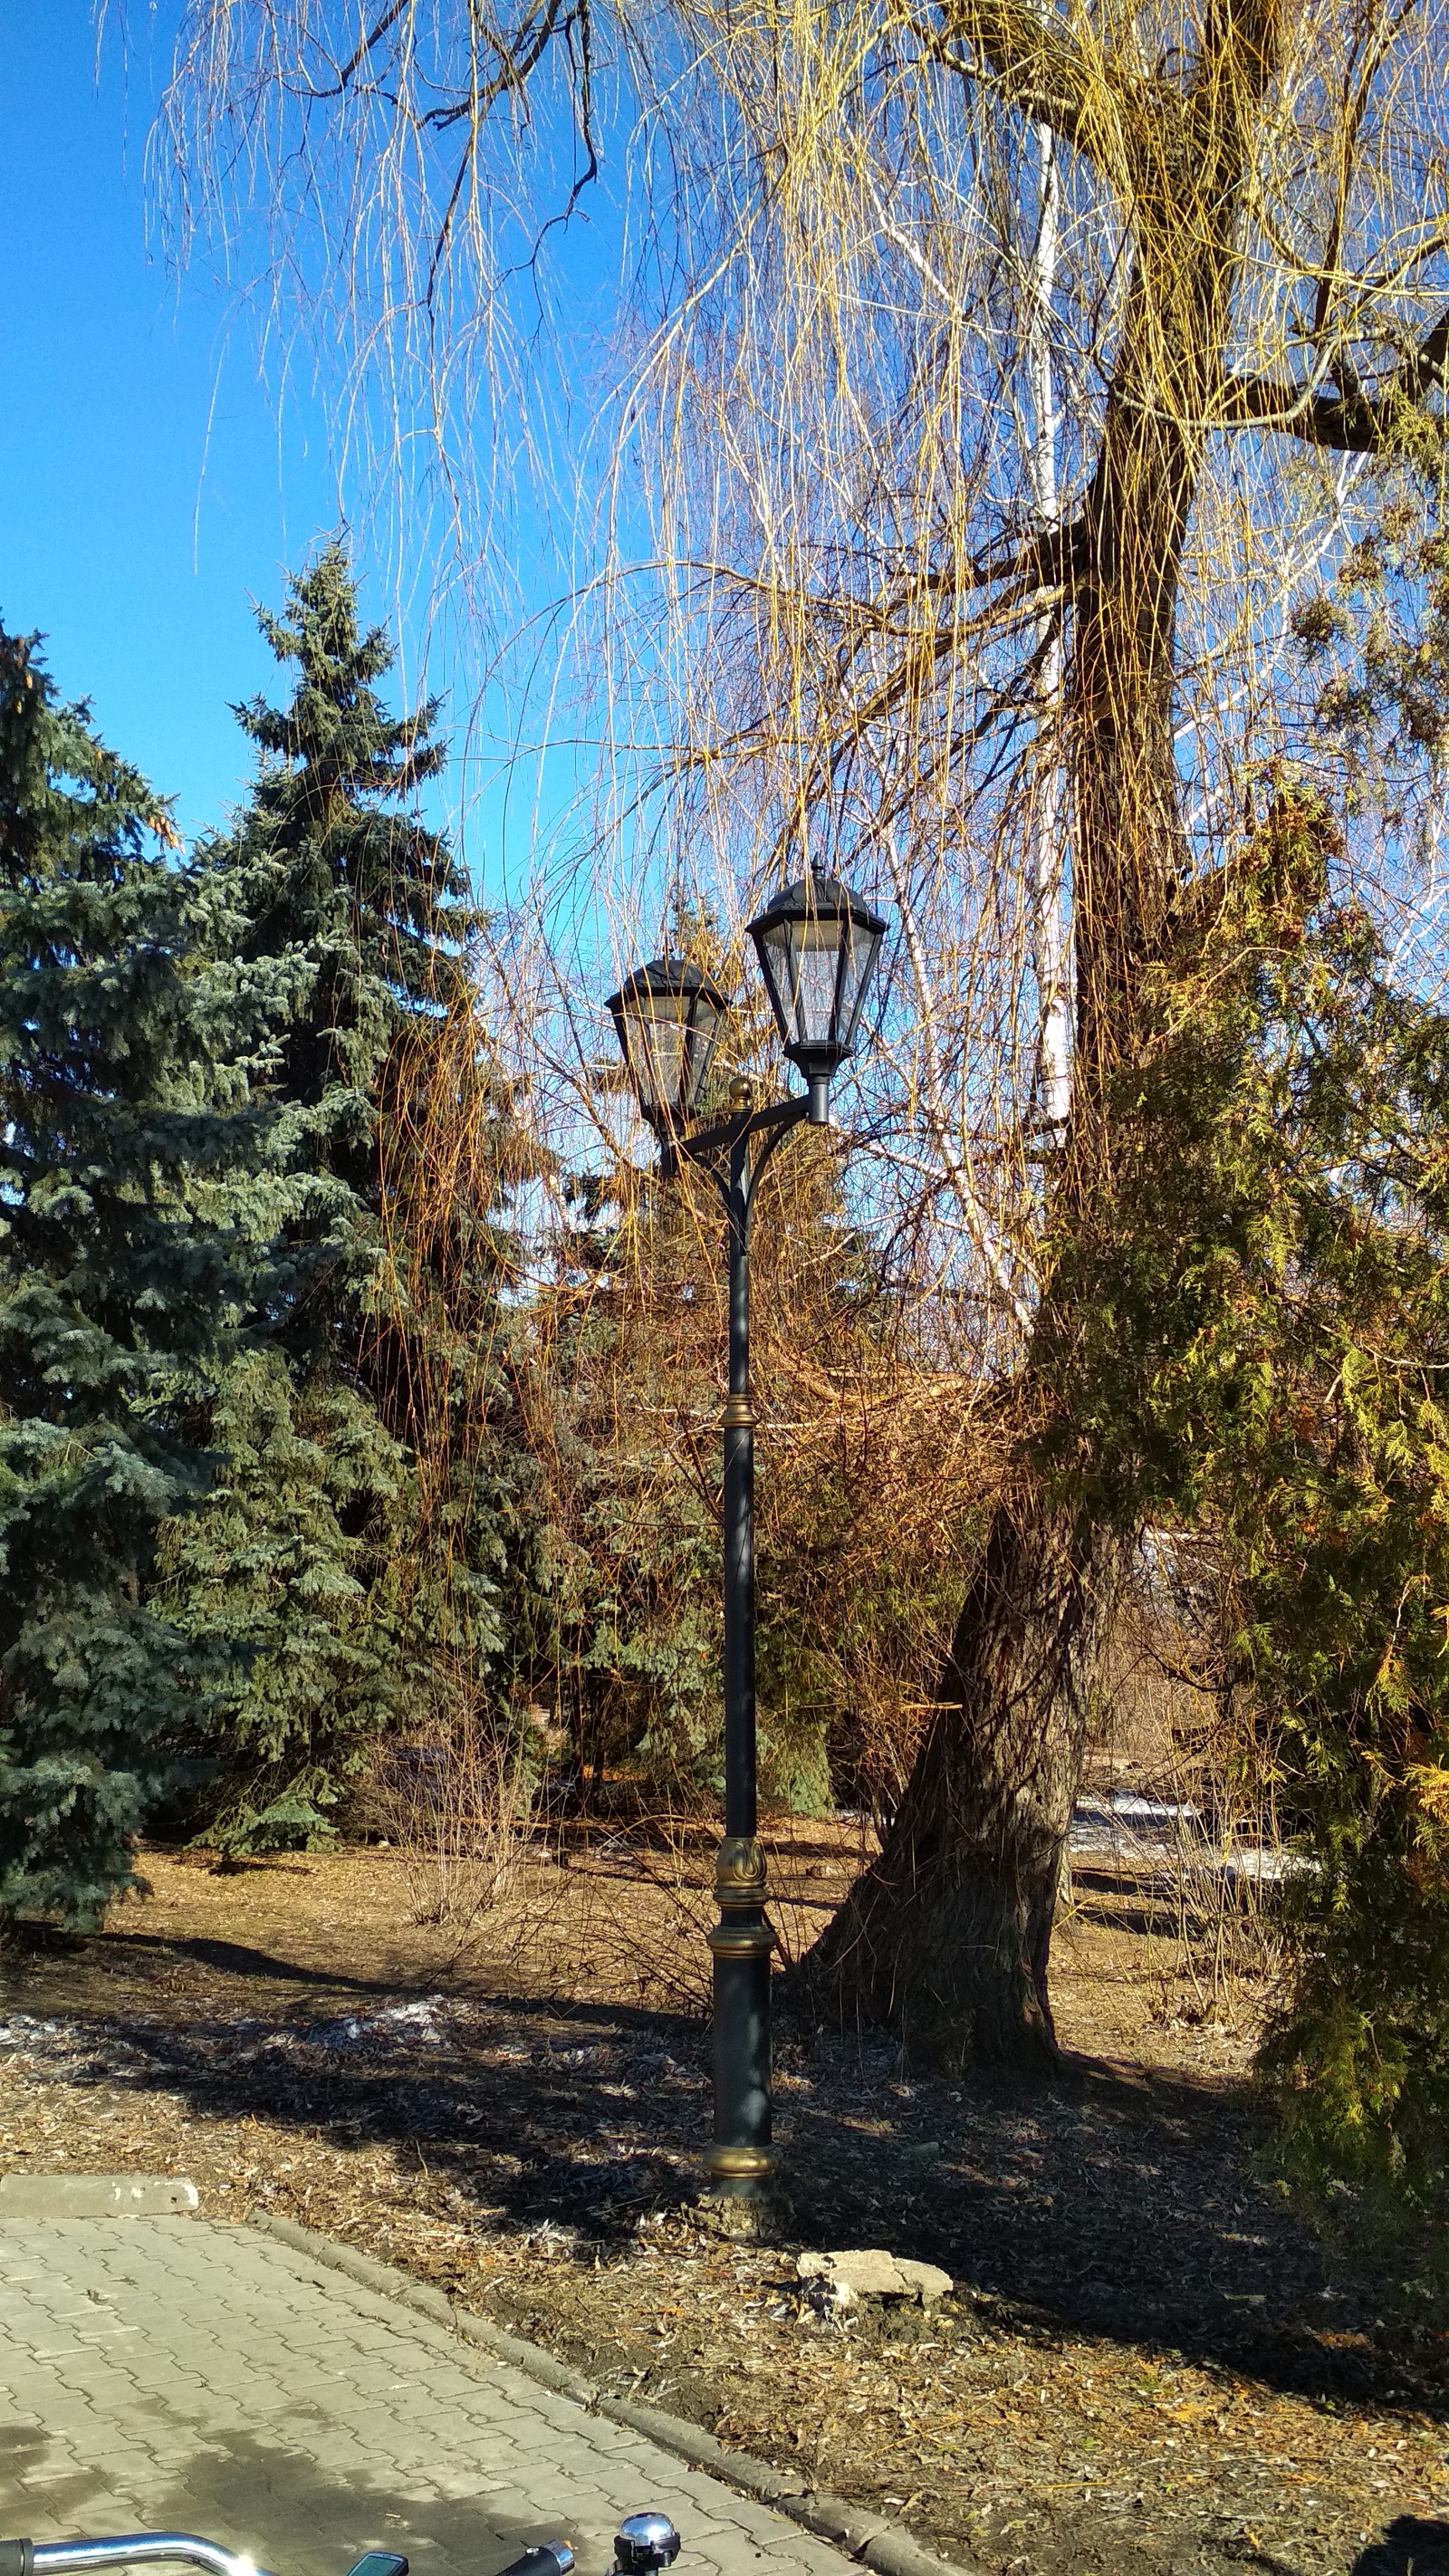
{"points": [[947, 1936]]}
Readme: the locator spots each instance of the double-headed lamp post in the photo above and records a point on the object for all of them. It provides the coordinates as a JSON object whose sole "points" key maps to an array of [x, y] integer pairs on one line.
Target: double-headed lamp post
{"points": [[817, 945]]}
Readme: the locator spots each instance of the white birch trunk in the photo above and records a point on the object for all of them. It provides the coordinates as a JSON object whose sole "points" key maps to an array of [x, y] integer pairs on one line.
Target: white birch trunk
{"points": [[1047, 856]]}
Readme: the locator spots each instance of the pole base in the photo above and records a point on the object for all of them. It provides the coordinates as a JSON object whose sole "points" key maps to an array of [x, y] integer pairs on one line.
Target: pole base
{"points": [[738, 2173], [760, 2214]]}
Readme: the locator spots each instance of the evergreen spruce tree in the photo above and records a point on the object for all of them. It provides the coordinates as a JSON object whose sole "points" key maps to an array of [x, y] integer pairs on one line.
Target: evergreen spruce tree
{"points": [[355, 1530], [332, 864], [131, 1191]]}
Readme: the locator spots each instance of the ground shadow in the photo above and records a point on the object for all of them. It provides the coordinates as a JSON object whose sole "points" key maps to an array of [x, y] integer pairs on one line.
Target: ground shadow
{"points": [[1409, 2547], [278, 2506], [288, 2513], [1115, 2202], [234, 1959]]}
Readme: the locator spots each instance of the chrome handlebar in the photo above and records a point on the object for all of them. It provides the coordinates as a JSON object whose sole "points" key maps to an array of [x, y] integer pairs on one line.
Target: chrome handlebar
{"points": [[69, 2557]]}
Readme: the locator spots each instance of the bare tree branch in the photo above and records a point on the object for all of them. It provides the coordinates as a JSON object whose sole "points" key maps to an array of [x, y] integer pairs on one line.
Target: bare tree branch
{"points": [[1116, 119], [1361, 423]]}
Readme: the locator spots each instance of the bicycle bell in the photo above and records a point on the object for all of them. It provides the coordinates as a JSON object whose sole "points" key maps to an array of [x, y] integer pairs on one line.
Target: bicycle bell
{"points": [[645, 2541]]}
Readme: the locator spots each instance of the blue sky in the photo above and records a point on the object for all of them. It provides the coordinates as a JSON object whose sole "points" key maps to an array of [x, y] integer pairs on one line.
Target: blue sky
{"points": [[148, 489]]}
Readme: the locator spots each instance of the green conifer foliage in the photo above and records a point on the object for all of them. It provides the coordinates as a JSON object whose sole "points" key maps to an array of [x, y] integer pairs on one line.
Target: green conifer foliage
{"points": [[126, 1189], [1262, 1355], [349, 1537], [269, 1575], [333, 865]]}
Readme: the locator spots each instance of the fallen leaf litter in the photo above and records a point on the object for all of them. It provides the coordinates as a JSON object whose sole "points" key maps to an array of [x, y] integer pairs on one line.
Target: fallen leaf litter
{"points": [[1145, 2363]]}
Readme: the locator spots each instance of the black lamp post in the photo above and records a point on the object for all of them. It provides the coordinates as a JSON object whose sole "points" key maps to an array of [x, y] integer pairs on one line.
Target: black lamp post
{"points": [[817, 945]]}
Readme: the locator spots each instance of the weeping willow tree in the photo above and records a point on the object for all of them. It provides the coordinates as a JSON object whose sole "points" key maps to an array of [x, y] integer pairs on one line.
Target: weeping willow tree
{"points": [[1231, 277], [1001, 384]]}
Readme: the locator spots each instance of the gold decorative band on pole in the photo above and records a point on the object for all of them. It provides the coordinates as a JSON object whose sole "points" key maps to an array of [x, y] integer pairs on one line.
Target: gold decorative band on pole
{"points": [[741, 1940], [736, 2165]]}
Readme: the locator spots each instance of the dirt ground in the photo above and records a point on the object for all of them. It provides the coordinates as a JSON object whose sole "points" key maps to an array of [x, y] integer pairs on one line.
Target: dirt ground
{"points": [[1148, 2363]]}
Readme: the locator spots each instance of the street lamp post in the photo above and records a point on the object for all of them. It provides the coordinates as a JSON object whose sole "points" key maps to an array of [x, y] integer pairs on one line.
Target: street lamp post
{"points": [[817, 945]]}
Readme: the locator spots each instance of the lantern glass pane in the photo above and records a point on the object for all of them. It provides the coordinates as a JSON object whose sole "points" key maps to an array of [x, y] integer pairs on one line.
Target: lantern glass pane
{"points": [[801, 960], [816, 965], [657, 1033], [704, 1028], [861, 946], [774, 953]]}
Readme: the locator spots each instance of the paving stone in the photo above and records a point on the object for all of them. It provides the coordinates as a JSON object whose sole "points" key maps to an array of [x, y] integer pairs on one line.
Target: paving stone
{"points": [[36, 2195], [226, 2382]]}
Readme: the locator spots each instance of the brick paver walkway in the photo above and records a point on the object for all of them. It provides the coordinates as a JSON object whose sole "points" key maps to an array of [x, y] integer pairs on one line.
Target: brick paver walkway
{"points": [[171, 2373]]}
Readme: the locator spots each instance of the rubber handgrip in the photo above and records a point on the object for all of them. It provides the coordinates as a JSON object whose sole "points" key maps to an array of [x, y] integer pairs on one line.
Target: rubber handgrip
{"points": [[541, 2561], [17, 2558]]}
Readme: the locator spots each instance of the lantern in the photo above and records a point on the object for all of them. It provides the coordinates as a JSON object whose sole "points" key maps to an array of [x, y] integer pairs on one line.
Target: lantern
{"points": [[668, 1017], [817, 944]]}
